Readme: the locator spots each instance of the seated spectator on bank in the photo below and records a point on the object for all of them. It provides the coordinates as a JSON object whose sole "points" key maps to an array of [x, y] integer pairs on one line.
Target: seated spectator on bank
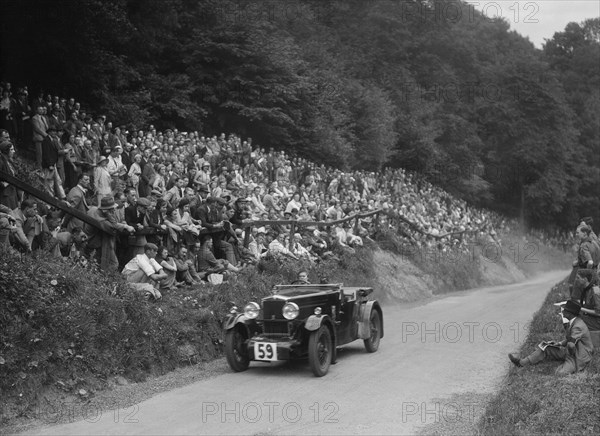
{"points": [[28, 225], [587, 292], [143, 273], [277, 247], [186, 270], [208, 263], [71, 243], [7, 226], [164, 259]]}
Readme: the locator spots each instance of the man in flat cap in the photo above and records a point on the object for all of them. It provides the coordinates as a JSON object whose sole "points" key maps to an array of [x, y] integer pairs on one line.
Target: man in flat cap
{"points": [[575, 351]]}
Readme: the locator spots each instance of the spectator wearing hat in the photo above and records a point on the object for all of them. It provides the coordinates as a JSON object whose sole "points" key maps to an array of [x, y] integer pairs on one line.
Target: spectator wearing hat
{"points": [[102, 178], [101, 238], [9, 195], [51, 151], [575, 351], [144, 273], [135, 172], [203, 176], [241, 212]]}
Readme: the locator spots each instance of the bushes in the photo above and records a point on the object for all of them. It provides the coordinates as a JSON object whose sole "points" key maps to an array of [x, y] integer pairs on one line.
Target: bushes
{"points": [[60, 322]]}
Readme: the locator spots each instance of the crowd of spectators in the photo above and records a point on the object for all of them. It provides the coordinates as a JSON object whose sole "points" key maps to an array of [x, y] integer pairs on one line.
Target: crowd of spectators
{"points": [[177, 205]]}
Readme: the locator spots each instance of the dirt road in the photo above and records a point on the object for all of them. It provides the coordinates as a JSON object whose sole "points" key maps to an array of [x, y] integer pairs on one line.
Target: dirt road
{"points": [[435, 365]]}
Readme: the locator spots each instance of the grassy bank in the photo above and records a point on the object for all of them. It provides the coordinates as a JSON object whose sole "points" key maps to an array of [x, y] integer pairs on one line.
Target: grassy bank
{"points": [[534, 400], [67, 332]]}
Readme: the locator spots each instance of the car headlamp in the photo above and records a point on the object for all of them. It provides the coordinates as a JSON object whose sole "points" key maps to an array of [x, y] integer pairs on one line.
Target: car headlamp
{"points": [[251, 310], [290, 311]]}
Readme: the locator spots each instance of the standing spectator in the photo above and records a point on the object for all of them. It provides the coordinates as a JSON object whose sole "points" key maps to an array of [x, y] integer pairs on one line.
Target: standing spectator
{"points": [[7, 108], [51, 151], [135, 173], [77, 199], [134, 216], [102, 179], [21, 113], [148, 175], [54, 120], [102, 240], [40, 128], [9, 195]]}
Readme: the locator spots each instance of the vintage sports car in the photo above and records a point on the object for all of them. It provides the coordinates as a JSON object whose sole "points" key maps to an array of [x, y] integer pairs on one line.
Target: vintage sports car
{"points": [[297, 321]]}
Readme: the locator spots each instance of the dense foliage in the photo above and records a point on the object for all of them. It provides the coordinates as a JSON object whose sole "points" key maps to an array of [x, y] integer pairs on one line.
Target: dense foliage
{"points": [[430, 85]]}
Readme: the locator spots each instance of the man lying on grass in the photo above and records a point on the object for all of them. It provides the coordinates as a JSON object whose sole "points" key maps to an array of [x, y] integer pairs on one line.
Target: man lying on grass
{"points": [[575, 351]]}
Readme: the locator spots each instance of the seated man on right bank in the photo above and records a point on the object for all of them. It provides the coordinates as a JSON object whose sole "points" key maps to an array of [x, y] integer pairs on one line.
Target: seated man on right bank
{"points": [[575, 351], [587, 292]]}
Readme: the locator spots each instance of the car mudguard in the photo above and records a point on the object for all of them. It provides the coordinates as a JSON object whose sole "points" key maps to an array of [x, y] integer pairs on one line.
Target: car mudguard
{"points": [[314, 322], [364, 315], [234, 320]]}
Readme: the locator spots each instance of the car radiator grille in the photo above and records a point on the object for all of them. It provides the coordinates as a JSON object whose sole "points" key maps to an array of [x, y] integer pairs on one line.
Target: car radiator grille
{"points": [[276, 328]]}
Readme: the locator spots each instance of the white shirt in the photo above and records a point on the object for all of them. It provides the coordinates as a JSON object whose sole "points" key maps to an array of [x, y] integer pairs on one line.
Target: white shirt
{"points": [[143, 262]]}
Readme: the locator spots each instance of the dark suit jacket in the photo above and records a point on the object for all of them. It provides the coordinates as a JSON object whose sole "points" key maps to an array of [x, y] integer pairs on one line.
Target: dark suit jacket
{"points": [[133, 217], [579, 334], [49, 152], [209, 218]]}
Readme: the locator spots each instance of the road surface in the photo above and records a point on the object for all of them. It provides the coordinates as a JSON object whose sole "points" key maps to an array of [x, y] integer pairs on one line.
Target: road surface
{"points": [[432, 358]]}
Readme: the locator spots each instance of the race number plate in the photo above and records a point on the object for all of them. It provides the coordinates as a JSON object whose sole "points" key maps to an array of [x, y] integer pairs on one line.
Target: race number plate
{"points": [[265, 351]]}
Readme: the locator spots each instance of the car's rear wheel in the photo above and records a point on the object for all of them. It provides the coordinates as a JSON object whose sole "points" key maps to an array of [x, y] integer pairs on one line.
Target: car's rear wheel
{"points": [[372, 342], [235, 350], [320, 350]]}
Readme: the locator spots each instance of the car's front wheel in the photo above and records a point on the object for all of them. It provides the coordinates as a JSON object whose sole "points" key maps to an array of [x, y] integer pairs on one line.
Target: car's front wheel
{"points": [[372, 342], [320, 350], [235, 350]]}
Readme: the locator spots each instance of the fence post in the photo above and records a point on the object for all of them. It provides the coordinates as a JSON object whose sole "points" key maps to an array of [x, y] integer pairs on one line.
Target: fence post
{"points": [[292, 231], [247, 231]]}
